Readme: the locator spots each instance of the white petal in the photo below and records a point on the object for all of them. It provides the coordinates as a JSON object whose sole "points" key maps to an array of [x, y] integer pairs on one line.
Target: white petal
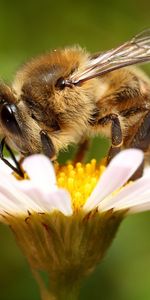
{"points": [[6, 205], [4, 168], [128, 194], [14, 194], [25, 195], [139, 200], [59, 200], [139, 208], [41, 171], [120, 169], [21, 200]]}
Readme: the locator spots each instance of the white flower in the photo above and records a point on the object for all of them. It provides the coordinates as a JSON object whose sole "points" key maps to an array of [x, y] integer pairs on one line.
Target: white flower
{"points": [[41, 193], [64, 225]]}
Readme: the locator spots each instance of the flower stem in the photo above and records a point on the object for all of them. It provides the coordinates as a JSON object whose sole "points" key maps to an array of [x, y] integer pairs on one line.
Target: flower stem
{"points": [[45, 293], [65, 293], [58, 290], [64, 289]]}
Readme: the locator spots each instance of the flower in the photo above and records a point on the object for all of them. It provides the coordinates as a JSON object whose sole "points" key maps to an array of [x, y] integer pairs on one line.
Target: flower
{"points": [[65, 223]]}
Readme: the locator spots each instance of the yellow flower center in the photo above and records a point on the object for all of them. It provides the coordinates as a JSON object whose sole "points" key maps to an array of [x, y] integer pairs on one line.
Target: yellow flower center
{"points": [[79, 179]]}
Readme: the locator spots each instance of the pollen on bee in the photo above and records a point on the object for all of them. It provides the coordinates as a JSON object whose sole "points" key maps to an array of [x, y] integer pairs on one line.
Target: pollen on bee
{"points": [[79, 179]]}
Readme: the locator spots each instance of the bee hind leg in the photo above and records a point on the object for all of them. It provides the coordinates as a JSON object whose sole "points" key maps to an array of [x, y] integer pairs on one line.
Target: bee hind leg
{"points": [[141, 141]]}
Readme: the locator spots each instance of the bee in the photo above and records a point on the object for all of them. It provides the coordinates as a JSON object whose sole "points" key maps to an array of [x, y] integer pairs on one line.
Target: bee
{"points": [[67, 95]]}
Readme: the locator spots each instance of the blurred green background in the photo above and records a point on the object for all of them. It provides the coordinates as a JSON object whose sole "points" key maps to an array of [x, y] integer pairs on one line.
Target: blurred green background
{"points": [[31, 27]]}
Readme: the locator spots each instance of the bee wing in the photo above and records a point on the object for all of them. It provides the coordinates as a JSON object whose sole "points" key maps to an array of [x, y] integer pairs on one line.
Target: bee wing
{"points": [[135, 51]]}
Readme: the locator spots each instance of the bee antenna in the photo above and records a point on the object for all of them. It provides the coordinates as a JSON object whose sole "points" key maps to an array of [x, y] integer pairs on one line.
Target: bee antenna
{"points": [[17, 169]]}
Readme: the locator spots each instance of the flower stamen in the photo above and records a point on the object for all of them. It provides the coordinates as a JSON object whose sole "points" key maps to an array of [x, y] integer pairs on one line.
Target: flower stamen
{"points": [[79, 179]]}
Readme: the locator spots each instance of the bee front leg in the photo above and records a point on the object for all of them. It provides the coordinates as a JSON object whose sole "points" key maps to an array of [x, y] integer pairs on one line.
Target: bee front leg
{"points": [[116, 134], [47, 145], [116, 137]]}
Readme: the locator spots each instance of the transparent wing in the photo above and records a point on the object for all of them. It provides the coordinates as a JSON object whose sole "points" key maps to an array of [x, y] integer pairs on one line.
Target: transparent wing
{"points": [[135, 51]]}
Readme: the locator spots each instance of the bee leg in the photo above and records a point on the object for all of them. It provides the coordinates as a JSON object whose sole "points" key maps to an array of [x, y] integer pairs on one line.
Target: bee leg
{"points": [[116, 137], [16, 169], [82, 149], [47, 145], [141, 141], [138, 173]]}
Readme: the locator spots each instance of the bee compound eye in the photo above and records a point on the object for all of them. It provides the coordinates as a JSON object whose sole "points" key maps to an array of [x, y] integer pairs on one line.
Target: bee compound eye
{"points": [[7, 118]]}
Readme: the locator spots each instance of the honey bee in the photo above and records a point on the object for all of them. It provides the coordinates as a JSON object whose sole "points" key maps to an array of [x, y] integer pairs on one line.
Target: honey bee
{"points": [[68, 94]]}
